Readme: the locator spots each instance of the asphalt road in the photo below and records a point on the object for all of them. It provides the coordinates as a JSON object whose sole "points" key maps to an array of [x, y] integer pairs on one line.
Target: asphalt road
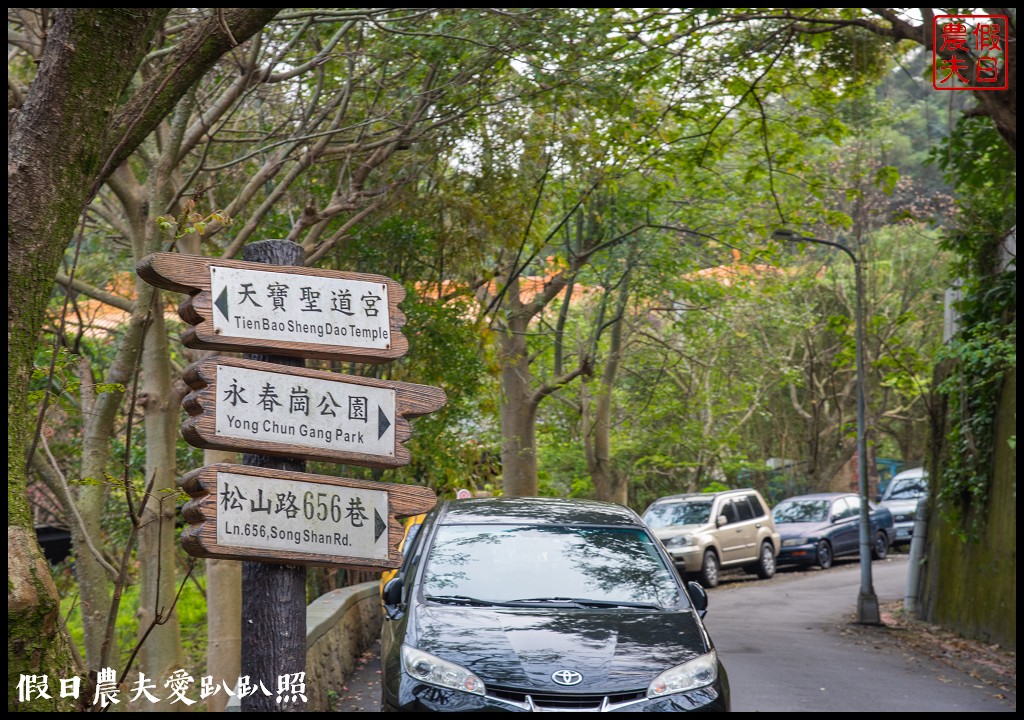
{"points": [[792, 644]]}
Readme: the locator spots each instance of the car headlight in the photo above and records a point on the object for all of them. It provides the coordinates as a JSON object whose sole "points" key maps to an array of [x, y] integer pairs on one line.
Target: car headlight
{"points": [[678, 541], [688, 676], [790, 542], [435, 671]]}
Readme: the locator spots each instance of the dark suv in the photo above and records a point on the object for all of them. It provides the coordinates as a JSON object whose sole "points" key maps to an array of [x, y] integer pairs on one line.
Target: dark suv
{"points": [[705, 532]]}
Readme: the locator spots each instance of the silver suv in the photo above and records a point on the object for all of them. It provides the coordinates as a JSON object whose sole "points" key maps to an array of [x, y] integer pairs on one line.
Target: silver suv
{"points": [[705, 532]]}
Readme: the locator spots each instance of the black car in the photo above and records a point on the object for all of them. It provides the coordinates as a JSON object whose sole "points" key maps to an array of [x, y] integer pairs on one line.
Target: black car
{"points": [[544, 604], [820, 527]]}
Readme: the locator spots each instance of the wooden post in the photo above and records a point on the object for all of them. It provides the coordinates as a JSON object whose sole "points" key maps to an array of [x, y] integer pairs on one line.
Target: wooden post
{"points": [[273, 596]]}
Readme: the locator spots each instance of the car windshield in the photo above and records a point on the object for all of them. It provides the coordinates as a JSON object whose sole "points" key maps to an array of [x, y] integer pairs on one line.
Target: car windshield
{"points": [[480, 564], [691, 512], [798, 511], [909, 489]]}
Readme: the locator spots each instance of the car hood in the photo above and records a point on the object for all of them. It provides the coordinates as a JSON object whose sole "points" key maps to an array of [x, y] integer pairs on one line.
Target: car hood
{"points": [[901, 507], [615, 649], [800, 529], [667, 533]]}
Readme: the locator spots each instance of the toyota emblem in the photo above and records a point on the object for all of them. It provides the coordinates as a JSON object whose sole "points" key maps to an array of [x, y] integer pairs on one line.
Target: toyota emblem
{"points": [[567, 677]]}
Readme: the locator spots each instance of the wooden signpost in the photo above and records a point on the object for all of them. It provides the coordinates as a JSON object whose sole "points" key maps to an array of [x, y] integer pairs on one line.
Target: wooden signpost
{"points": [[242, 512], [283, 410], [296, 311], [271, 409], [268, 512]]}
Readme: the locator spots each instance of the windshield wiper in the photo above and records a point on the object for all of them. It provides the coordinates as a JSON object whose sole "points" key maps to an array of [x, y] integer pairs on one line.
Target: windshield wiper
{"points": [[580, 603], [459, 600]]}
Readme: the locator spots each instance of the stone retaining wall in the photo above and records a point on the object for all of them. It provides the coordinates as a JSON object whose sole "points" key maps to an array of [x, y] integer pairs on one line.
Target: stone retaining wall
{"points": [[340, 627]]}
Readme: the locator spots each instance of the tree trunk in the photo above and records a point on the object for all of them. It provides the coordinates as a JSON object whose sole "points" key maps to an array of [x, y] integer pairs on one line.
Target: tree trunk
{"points": [[93, 581], [159, 630], [608, 484], [101, 412], [63, 142], [223, 618], [53, 158], [223, 577], [518, 413], [97, 440], [161, 653]]}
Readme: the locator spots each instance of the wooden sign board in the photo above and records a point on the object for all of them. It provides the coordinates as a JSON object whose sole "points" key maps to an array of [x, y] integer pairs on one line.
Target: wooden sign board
{"points": [[268, 409], [281, 309], [241, 512]]}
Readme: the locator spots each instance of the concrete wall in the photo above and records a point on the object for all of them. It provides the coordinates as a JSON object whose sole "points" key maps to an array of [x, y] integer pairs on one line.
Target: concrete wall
{"points": [[971, 586], [340, 627]]}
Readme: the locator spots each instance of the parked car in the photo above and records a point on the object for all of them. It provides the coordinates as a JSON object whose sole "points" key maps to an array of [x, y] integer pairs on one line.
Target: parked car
{"points": [[705, 532], [544, 604], [818, 528], [901, 497]]}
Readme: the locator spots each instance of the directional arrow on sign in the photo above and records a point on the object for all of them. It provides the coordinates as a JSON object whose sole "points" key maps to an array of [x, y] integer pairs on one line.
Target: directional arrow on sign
{"points": [[269, 409], [222, 303]]}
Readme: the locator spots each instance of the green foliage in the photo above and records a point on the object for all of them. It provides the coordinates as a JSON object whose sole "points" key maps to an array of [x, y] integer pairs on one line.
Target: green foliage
{"points": [[886, 178], [191, 610], [62, 380], [625, 112], [715, 486], [62, 383], [975, 159], [853, 50], [564, 467], [984, 349], [451, 448], [444, 351], [191, 222], [982, 353]]}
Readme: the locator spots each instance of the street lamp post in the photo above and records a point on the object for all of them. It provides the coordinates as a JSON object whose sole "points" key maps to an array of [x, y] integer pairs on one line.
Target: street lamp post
{"points": [[867, 600]]}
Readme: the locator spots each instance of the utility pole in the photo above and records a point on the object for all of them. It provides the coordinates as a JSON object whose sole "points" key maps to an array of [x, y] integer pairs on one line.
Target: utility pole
{"points": [[867, 601]]}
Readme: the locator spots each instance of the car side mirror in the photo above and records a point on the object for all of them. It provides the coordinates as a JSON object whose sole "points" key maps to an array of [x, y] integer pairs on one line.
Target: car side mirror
{"points": [[699, 597], [878, 498], [392, 598], [721, 520]]}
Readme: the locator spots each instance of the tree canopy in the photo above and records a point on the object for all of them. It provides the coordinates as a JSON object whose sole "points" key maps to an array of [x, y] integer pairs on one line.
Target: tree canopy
{"points": [[578, 202]]}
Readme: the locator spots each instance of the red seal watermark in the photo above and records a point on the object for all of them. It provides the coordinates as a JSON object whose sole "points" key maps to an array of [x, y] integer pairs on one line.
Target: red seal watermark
{"points": [[969, 52]]}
